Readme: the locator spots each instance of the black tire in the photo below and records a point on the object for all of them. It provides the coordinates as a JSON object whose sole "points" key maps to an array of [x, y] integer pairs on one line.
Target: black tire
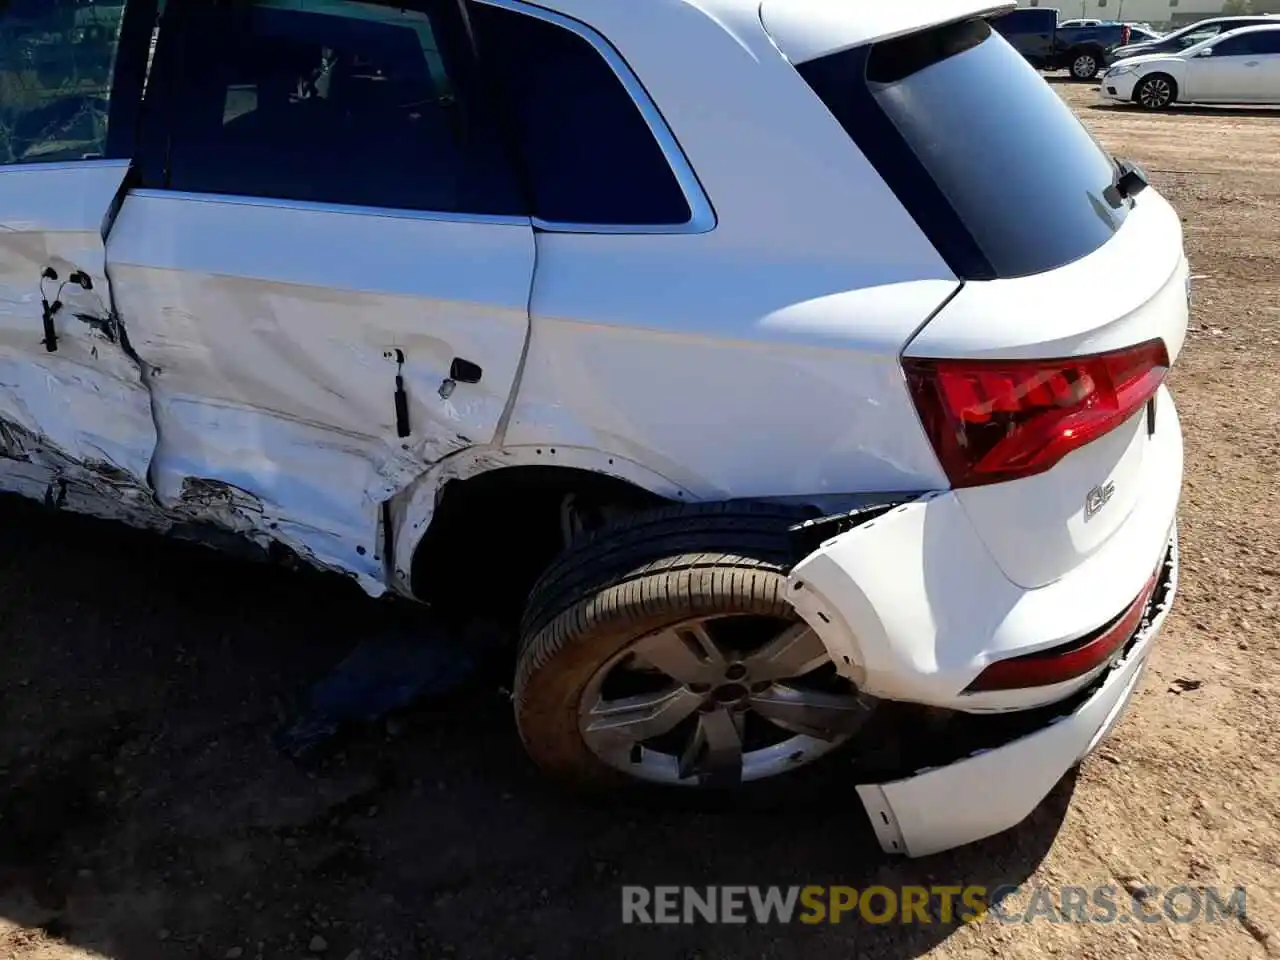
{"points": [[1085, 64], [1156, 91], [625, 581]]}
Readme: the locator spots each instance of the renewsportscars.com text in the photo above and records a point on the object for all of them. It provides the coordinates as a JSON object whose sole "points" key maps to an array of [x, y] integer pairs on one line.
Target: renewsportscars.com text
{"points": [[816, 904]]}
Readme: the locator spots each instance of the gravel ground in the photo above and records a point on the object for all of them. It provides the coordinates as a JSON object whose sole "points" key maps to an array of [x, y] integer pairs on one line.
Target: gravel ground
{"points": [[145, 813]]}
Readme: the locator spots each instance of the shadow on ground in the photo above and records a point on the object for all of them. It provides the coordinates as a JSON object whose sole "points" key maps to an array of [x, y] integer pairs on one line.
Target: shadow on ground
{"points": [[1183, 110], [144, 811]]}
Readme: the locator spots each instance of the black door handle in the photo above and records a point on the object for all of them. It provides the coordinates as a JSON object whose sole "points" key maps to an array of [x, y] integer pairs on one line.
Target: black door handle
{"points": [[464, 371]]}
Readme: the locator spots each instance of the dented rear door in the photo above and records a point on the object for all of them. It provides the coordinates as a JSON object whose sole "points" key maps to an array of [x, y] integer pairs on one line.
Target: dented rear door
{"points": [[75, 413], [326, 261]]}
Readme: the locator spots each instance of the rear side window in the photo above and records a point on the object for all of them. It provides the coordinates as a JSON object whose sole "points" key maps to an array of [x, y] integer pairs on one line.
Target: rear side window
{"points": [[57, 60], [591, 156], [988, 159], [1264, 41], [330, 101]]}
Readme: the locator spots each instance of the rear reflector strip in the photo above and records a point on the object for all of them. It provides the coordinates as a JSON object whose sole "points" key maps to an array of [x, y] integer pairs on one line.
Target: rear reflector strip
{"points": [[1072, 660]]}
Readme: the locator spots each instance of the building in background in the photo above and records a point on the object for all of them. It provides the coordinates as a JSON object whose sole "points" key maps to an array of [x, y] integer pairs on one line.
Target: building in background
{"points": [[1155, 12]]}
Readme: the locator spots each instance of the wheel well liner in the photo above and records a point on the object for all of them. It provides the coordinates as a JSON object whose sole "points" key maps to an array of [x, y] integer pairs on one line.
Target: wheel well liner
{"points": [[493, 534]]}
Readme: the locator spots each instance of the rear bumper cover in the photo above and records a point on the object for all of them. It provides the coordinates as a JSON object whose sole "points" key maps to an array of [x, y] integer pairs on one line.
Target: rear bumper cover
{"points": [[912, 606], [908, 815]]}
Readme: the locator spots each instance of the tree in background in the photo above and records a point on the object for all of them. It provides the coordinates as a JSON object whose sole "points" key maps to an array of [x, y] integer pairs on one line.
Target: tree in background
{"points": [[1235, 8]]}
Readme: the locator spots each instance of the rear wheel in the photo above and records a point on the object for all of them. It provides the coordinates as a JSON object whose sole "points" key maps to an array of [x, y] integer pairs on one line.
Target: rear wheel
{"points": [[1085, 64], [1156, 92], [663, 650]]}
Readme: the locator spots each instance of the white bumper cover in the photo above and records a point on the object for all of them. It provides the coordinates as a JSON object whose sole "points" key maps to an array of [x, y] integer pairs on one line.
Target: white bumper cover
{"points": [[989, 792], [1121, 83], [912, 607]]}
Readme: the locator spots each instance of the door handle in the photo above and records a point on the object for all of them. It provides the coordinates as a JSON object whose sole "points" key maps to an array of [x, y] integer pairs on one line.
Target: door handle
{"points": [[460, 371], [1251, 63]]}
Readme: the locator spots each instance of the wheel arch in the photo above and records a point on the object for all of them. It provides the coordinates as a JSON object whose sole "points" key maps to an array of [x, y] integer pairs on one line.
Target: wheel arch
{"points": [[502, 508], [1173, 82]]}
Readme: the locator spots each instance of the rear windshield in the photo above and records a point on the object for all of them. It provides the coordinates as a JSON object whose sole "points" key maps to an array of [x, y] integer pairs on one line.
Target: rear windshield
{"points": [[1027, 21], [989, 160]]}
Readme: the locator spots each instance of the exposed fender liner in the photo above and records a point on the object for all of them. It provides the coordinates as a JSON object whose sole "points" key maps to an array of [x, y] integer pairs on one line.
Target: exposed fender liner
{"points": [[809, 536], [410, 511]]}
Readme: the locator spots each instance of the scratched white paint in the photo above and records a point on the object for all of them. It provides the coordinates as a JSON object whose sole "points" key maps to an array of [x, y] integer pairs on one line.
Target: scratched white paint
{"points": [[760, 358], [81, 412], [274, 328]]}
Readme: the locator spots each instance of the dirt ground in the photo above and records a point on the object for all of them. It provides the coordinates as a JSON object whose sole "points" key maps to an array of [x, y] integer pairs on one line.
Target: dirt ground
{"points": [[144, 811]]}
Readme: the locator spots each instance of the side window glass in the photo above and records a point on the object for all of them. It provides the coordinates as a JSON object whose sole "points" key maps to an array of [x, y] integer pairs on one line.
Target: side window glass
{"points": [[1232, 47], [335, 102], [1191, 39], [57, 59], [591, 155], [1268, 42]]}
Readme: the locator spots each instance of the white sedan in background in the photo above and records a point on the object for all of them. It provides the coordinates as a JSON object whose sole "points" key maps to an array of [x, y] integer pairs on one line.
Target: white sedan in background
{"points": [[1242, 66]]}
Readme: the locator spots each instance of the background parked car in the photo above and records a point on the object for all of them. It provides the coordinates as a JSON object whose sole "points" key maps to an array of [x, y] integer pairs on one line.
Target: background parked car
{"points": [[1188, 36], [1238, 66], [1035, 33]]}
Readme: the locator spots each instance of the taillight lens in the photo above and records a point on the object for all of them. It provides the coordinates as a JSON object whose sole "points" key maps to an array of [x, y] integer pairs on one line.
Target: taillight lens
{"points": [[993, 420]]}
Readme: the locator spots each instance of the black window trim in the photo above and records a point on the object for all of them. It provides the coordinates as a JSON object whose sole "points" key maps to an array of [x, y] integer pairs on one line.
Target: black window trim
{"points": [[702, 216]]}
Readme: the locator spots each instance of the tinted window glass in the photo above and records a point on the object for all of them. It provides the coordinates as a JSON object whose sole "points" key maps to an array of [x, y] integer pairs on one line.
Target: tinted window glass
{"points": [[1026, 21], [591, 155], [1199, 36], [996, 154], [1242, 45], [1267, 42], [57, 58], [331, 101]]}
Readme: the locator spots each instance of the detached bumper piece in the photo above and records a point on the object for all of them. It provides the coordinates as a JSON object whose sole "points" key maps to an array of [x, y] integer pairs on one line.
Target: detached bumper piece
{"points": [[996, 788]]}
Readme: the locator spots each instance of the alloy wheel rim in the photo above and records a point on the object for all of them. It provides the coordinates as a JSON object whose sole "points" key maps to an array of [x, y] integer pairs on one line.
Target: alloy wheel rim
{"points": [[1155, 93], [1085, 66], [717, 701]]}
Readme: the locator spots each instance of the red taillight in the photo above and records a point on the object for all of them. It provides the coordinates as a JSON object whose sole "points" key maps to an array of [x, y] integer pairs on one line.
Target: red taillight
{"points": [[994, 420]]}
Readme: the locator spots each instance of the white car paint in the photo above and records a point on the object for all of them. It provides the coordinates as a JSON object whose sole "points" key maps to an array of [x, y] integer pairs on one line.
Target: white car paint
{"points": [[1202, 73], [67, 414], [756, 353], [807, 29], [1145, 275], [904, 813], [923, 631]]}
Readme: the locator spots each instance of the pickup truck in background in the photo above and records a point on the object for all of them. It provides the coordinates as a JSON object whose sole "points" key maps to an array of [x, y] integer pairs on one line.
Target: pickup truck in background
{"points": [[1082, 50]]}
